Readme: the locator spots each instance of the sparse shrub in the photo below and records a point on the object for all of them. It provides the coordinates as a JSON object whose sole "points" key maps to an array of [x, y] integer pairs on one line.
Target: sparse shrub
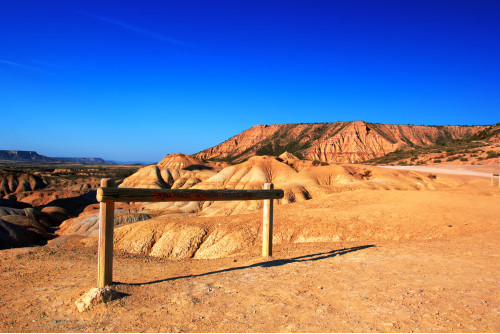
{"points": [[451, 158], [432, 176], [492, 154], [366, 174], [464, 159], [316, 163], [437, 161]]}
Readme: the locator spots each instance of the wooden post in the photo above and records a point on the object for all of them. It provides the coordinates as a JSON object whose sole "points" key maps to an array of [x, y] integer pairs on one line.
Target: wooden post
{"points": [[493, 179], [105, 252], [267, 225]]}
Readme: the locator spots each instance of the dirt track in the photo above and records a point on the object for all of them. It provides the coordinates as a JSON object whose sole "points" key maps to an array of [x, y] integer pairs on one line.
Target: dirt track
{"points": [[424, 261]]}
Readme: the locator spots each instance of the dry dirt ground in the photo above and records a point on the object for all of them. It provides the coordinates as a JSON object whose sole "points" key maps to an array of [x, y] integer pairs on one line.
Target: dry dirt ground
{"points": [[407, 261]]}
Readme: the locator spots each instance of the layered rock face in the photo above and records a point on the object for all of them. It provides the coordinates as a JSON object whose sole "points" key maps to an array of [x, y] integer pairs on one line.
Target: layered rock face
{"points": [[236, 145], [340, 142]]}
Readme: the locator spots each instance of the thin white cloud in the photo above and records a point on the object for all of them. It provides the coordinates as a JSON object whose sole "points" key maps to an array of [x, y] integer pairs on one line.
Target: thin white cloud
{"points": [[31, 68], [135, 29], [48, 64]]}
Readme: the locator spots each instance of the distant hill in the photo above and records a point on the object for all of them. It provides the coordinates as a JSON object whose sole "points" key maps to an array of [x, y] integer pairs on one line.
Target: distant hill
{"points": [[339, 142], [32, 157], [483, 147]]}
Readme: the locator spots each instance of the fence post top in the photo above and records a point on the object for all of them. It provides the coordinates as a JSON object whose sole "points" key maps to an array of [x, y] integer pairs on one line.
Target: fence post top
{"points": [[268, 186], [107, 182]]}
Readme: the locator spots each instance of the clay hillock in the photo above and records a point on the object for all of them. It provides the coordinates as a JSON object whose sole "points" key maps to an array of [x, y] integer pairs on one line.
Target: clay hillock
{"points": [[310, 181], [23, 226], [13, 182], [339, 142], [180, 161], [175, 171], [287, 156], [155, 176]]}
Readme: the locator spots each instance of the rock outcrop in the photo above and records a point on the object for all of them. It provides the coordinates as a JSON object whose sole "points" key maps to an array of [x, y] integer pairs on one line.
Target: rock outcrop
{"points": [[340, 142]]}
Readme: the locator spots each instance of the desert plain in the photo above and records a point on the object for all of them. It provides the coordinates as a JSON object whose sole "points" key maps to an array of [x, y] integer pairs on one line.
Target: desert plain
{"points": [[356, 248]]}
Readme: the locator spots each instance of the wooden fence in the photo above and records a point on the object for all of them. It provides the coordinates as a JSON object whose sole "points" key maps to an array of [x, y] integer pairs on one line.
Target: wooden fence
{"points": [[107, 195]]}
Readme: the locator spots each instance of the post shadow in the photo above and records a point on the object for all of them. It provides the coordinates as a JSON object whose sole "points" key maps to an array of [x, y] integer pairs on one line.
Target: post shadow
{"points": [[264, 264]]}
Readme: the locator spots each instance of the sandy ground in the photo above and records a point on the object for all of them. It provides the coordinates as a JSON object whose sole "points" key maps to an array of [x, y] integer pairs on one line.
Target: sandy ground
{"points": [[470, 170], [408, 261]]}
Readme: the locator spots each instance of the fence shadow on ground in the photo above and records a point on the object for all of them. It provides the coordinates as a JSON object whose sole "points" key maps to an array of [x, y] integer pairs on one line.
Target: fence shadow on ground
{"points": [[264, 264]]}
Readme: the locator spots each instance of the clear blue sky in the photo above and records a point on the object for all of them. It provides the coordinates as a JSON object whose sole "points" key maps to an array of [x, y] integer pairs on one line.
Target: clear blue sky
{"points": [[127, 80]]}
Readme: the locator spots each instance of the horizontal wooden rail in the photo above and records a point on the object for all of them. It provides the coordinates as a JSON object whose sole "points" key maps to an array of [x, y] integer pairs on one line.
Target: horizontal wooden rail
{"points": [[106, 194]]}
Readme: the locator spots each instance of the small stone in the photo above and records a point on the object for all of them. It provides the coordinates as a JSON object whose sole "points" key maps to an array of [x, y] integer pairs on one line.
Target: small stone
{"points": [[94, 297], [320, 287]]}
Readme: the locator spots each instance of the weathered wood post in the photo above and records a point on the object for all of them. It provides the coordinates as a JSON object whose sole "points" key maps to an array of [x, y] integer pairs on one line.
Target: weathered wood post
{"points": [[105, 252], [493, 179], [267, 225]]}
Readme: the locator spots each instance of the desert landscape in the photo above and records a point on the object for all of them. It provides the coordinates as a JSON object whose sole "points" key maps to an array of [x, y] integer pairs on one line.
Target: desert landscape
{"points": [[357, 247], [250, 166]]}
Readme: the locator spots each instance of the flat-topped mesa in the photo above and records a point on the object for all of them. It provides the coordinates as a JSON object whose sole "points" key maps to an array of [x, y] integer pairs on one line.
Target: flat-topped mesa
{"points": [[339, 142]]}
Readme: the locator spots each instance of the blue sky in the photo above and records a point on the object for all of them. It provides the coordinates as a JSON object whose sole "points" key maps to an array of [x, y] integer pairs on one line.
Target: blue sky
{"points": [[127, 80]]}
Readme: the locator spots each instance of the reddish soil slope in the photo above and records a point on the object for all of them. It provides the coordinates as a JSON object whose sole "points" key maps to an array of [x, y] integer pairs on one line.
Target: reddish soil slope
{"points": [[341, 142]]}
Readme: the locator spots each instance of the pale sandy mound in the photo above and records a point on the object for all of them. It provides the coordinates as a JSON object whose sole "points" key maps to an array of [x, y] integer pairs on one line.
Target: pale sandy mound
{"points": [[180, 161], [298, 184], [155, 176], [288, 156], [88, 222]]}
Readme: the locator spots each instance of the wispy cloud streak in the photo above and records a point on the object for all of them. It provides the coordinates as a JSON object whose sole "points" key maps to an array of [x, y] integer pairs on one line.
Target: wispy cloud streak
{"points": [[31, 68], [135, 29], [48, 64]]}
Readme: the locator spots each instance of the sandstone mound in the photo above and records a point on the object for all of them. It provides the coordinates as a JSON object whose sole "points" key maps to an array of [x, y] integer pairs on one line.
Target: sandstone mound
{"points": [[288, 156], [180, 161], [12, 183], [183, 238], [155, 176], [299, 184], [88, 223]]}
